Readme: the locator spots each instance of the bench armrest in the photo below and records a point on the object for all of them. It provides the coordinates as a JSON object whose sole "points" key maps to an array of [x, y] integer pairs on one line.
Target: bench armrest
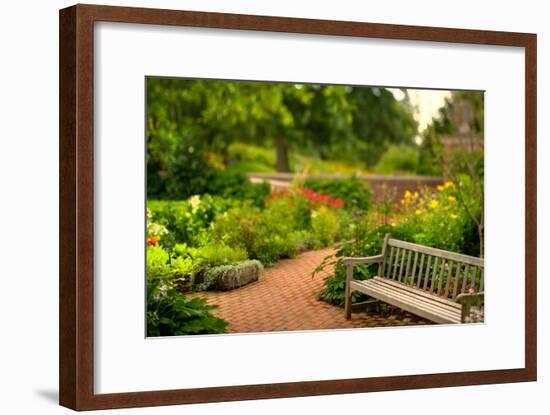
{"points": [[467, 300], [362, 260], [471, 298]]}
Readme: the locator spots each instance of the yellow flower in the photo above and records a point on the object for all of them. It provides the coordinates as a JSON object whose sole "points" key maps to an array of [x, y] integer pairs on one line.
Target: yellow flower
{"points": [[452, 199], [433, 204], [453, 216], [402, 201], [415, 195], [440, 188], [449, 185], [421, 202], [418, 212], [408, 195]]}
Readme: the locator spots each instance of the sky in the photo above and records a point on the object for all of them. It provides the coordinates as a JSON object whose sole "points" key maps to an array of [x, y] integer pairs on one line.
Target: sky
{"points": [[426, 102]]}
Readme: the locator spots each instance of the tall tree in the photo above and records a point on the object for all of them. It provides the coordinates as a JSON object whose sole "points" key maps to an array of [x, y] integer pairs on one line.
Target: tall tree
{"points": [[188, 118]]}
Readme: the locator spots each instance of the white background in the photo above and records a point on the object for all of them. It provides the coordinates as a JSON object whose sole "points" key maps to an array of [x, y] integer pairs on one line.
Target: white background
{"points": [[28, 358], [125, 361]]}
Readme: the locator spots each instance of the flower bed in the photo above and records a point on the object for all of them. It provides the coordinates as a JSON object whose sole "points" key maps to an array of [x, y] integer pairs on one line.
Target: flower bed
{"points": [[441, 218], [222, 243]]}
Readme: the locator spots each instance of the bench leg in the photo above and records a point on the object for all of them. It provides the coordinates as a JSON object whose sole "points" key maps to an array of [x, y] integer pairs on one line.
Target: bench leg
{"points": [[347, 299], [348, 305]]}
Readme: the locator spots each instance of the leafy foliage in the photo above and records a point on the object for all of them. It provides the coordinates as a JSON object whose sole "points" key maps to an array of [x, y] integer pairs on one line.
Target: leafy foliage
{"points": [[429, 218], [231, 183], [189, 120], [186, 219], [401, 159], [353, 191], [209, 255], [366, 241], [265, 235], [170, 313], [325, 226]]}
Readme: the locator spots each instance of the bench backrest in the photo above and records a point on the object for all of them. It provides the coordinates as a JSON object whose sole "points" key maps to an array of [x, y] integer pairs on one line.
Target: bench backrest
{"points": [[442, 272]]}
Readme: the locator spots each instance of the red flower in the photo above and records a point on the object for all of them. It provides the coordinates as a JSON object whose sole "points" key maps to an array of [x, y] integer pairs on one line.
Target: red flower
{"points": [[153, 240], [313, 197]]}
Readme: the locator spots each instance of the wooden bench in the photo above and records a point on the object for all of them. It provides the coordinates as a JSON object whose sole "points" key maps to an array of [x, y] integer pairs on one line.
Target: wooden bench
{"points": [[438, 285]]}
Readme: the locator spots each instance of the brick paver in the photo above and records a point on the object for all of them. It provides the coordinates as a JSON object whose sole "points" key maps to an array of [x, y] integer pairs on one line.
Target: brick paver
{"points": [[286, 298]]}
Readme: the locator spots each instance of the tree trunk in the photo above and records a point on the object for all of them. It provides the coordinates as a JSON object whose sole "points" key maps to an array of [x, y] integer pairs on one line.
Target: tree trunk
{"points": [[282, 155]]}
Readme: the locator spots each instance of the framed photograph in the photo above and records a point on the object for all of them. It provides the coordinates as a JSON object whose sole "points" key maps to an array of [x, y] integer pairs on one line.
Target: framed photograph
{"points": [[256, 207]]}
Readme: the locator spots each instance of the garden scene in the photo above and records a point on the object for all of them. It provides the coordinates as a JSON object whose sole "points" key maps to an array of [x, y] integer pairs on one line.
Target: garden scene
{"points": [[258, 194]]}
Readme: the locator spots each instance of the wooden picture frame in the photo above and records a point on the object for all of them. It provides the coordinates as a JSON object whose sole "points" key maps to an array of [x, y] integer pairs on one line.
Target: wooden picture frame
{"points": [[76, 305]]}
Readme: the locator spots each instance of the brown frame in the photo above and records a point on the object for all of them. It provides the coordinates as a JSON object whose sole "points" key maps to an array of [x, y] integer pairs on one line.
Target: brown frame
{"points": [[76, 236]]}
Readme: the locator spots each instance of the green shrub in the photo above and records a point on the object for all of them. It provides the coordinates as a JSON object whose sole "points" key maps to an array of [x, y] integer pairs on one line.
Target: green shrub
{"points": [[185, 219], [266, 235], [325, 226], [236, 227], [170, 313], [353, 191], [183, 173], [432, 218], [157, 263], [367, 241], [261, 157], [399, 159], [231, 183], [182, 269], [302, 239], [188, 264], [439, 219], [213, 255], [268, 248]]}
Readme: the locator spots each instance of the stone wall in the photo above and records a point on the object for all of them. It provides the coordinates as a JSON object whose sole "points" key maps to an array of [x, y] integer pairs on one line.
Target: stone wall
{"points": [[396, 186], [392, 187]]}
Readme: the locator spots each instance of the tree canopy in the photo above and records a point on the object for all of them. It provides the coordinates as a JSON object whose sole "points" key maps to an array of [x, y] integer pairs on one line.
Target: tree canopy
{"points": [[189, 119]]}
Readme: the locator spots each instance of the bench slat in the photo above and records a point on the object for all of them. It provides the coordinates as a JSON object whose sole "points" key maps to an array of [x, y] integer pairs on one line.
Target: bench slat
{"points": [[414, 268], [449, 277], [465, 278], [434, 274], [403, 254], [467, 259], [435, 306], [389, 266], [430, 301], [408, 303], [474, 277], [394, 272], [440, 275], [418, 292], [427, 274], [419, 303], [382, 265], [420, 269], [457, 278], [408, 268]]}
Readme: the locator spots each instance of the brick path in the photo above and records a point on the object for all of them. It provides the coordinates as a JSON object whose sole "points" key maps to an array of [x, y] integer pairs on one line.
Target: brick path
{"points": [[286, 298]]}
